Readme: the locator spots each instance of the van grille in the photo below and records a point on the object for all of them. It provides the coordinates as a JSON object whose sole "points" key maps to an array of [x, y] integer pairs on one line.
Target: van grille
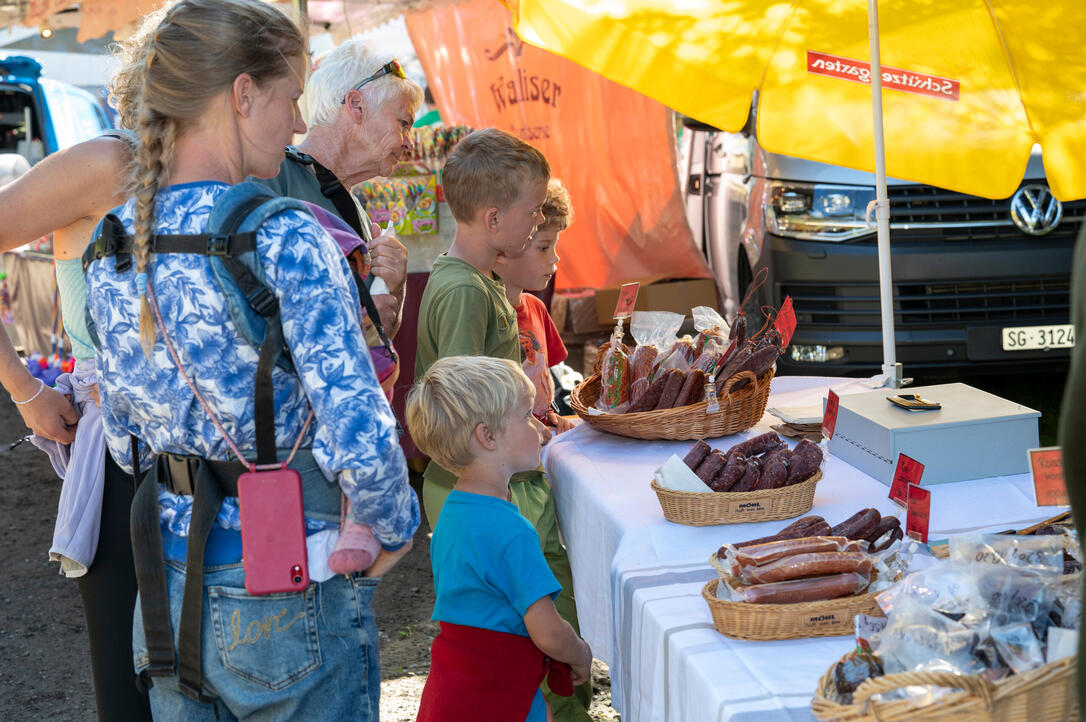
{"points": [[934, 304], [925, 213]]}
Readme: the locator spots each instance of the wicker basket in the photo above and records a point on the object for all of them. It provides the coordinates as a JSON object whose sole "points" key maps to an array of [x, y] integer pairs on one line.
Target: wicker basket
{"points": [[1045, 694], [738, 412], [828, 618], [736, 507]]}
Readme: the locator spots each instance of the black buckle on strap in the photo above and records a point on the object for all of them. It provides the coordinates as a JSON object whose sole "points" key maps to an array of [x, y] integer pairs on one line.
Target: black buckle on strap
{"points": [[217, 244]]}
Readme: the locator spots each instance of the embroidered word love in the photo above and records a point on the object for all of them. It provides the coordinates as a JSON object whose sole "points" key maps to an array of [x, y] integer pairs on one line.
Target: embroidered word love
{"points": [[258, 628]]}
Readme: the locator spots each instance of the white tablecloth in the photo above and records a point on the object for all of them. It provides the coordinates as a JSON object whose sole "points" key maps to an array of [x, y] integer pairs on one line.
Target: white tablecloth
{"points": [[638, 577]]}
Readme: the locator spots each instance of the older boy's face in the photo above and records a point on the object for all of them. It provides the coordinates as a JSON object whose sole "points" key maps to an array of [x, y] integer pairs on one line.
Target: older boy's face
{"points": [[520, 219]]}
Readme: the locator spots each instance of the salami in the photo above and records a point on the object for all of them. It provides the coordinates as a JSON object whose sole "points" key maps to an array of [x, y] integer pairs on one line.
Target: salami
{"points": [[806, 458], [859, 525], [758, 445], [750, 477], [697, 454], [730, 474], [709, 468], [671, 390], [693, 388]]}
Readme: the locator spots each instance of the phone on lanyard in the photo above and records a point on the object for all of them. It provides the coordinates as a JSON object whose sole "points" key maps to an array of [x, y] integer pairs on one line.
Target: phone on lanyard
{"points": [[273, 546]]}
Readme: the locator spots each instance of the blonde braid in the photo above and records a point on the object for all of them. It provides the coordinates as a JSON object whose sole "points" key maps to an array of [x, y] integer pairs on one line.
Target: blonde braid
{"points": [[156, 134]]}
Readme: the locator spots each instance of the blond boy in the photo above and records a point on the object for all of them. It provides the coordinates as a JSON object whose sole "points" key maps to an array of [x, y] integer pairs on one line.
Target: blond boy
{"points": [[495, 185], [494, 590]]}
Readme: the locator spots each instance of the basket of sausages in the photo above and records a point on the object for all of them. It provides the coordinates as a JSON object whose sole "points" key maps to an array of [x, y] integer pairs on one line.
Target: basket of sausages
{"points": [[759, 479], [713, 384], [810, 585]]}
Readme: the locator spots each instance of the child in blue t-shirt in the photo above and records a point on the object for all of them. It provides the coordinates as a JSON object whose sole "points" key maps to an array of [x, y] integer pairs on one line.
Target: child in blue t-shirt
{"points": [[500, 632]]}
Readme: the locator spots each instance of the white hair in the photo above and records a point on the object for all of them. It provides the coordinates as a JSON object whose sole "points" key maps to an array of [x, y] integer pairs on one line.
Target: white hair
{"points": [[345, 67]]}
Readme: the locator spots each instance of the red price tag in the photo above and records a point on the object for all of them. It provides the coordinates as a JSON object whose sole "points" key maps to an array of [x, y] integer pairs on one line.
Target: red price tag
{"points": [[908, 471], [829, 416], [627, 297], [918, 512], [1046, 465], [786, 321]]}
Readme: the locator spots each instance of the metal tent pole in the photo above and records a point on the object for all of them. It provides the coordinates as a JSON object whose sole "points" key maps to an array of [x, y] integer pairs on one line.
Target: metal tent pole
{"points": [[890, 368]]}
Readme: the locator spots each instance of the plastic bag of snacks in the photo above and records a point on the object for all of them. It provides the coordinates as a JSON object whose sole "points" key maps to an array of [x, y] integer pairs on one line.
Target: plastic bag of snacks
{"points": [[652, 330]]}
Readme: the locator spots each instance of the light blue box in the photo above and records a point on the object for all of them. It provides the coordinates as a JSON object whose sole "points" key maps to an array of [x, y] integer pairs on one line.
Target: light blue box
{"points": [[973, 436]]}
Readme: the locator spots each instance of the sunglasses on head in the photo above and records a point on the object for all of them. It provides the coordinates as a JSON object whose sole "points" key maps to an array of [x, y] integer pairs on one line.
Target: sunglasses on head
{"points": [[392, 67]]}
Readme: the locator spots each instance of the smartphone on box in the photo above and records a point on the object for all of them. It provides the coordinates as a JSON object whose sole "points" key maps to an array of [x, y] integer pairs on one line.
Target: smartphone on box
{"points": [[273, 546]]}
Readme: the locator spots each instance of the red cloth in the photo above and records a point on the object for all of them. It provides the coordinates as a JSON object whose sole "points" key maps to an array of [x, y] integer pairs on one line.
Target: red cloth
{"points": [[486, 676], [540, 348]]}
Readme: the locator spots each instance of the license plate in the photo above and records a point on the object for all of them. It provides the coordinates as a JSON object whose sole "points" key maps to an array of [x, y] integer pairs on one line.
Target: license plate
{"points": [[1026, 338]]}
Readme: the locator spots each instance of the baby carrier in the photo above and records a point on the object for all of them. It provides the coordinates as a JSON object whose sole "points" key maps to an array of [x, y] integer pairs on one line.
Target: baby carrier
{"points": [[230, 244]]}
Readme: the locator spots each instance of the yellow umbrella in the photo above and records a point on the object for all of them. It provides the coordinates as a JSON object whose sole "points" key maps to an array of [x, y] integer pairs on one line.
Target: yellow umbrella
{"points": [[967, 86]]}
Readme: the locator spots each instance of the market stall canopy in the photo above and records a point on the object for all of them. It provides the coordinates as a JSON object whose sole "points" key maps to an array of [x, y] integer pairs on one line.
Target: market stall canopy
{"points": [[612, 147], [970, 85], [99, 17]]}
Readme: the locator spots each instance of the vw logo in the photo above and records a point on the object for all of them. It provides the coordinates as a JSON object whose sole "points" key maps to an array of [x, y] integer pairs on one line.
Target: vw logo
{"points": [[1035, 210]]}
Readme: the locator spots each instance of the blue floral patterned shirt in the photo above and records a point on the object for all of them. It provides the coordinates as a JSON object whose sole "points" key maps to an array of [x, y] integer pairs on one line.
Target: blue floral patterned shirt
{"points": [[353, 436]]}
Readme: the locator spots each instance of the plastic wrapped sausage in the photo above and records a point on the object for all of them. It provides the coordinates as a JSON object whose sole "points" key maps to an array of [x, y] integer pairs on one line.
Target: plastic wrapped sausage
{"points": [[801, 566], [697, 454], [614, 378], [761, 554], [651, 397], [802, 590], [641, 368]]}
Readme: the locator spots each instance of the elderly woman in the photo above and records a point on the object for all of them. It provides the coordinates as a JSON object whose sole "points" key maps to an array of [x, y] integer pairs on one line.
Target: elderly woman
{"points": [[363, 108]]}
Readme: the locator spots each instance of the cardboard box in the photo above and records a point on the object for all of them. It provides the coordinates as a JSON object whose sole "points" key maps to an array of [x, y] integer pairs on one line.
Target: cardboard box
{"points": [[657, 294], [580, 313], [973, 436]]}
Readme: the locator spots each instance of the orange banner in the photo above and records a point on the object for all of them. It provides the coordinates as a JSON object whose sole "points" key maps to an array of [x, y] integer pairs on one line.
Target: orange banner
{"points": [[610, 145]]}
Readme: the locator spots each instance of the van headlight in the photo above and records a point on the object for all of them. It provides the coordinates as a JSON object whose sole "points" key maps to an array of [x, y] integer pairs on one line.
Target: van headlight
{"points": [[818, 212]]}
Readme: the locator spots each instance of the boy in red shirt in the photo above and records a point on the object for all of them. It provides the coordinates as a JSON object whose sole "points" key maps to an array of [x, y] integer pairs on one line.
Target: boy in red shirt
{"points": [[541, 346]]}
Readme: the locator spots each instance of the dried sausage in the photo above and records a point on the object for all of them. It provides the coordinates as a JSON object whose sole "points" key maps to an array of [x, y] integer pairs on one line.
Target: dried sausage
{"points": [[730, 474], [757, 445], [693, 388], [697, 454], [806, 458], [859, 525], [671, 390], [709, 468], [774, 474], [757, 363], [750, 477]]}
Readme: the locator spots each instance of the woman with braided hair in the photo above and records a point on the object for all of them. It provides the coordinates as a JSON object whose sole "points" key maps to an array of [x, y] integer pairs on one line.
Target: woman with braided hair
{"points": [[216, 99]]}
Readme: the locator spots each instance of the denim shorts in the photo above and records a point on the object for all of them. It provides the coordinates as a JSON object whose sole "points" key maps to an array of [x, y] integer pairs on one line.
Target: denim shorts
{"points": [[310, 654]]}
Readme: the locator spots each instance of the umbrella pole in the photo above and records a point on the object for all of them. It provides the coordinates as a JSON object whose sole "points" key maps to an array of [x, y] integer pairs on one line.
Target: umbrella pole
{"points": [[890, 368]]}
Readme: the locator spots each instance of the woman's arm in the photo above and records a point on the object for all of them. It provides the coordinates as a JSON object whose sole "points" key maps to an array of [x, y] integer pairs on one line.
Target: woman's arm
{"points": [[67, 192], [49, 414]]}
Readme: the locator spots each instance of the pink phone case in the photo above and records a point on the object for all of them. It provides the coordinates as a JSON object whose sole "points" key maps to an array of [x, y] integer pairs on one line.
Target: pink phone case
{"points": [[273, 531]]}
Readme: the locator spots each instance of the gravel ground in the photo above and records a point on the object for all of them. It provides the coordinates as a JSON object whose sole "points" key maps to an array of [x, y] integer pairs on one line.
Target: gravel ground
{"points": [[44, 672]]}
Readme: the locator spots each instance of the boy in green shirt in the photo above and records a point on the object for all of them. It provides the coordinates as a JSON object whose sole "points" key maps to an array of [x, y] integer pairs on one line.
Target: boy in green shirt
{"points": [[495, 185]]}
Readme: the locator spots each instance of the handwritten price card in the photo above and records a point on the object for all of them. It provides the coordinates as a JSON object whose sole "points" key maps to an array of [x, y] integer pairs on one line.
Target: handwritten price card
{"points": [[829, 416], [1046, 465], [908, 471], [918, 512]]}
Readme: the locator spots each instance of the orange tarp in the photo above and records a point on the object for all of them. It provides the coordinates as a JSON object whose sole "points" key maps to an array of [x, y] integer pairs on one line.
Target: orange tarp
{"points": [[611, 146]]}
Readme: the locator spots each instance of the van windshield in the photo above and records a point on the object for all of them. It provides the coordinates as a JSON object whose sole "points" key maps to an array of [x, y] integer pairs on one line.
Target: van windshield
{"points": [[76, 115]]}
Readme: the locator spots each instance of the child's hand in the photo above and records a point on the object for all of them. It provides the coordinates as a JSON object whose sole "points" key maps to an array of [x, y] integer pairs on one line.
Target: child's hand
{"points": [[559, 423], [386, 560], [581, 672]]}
